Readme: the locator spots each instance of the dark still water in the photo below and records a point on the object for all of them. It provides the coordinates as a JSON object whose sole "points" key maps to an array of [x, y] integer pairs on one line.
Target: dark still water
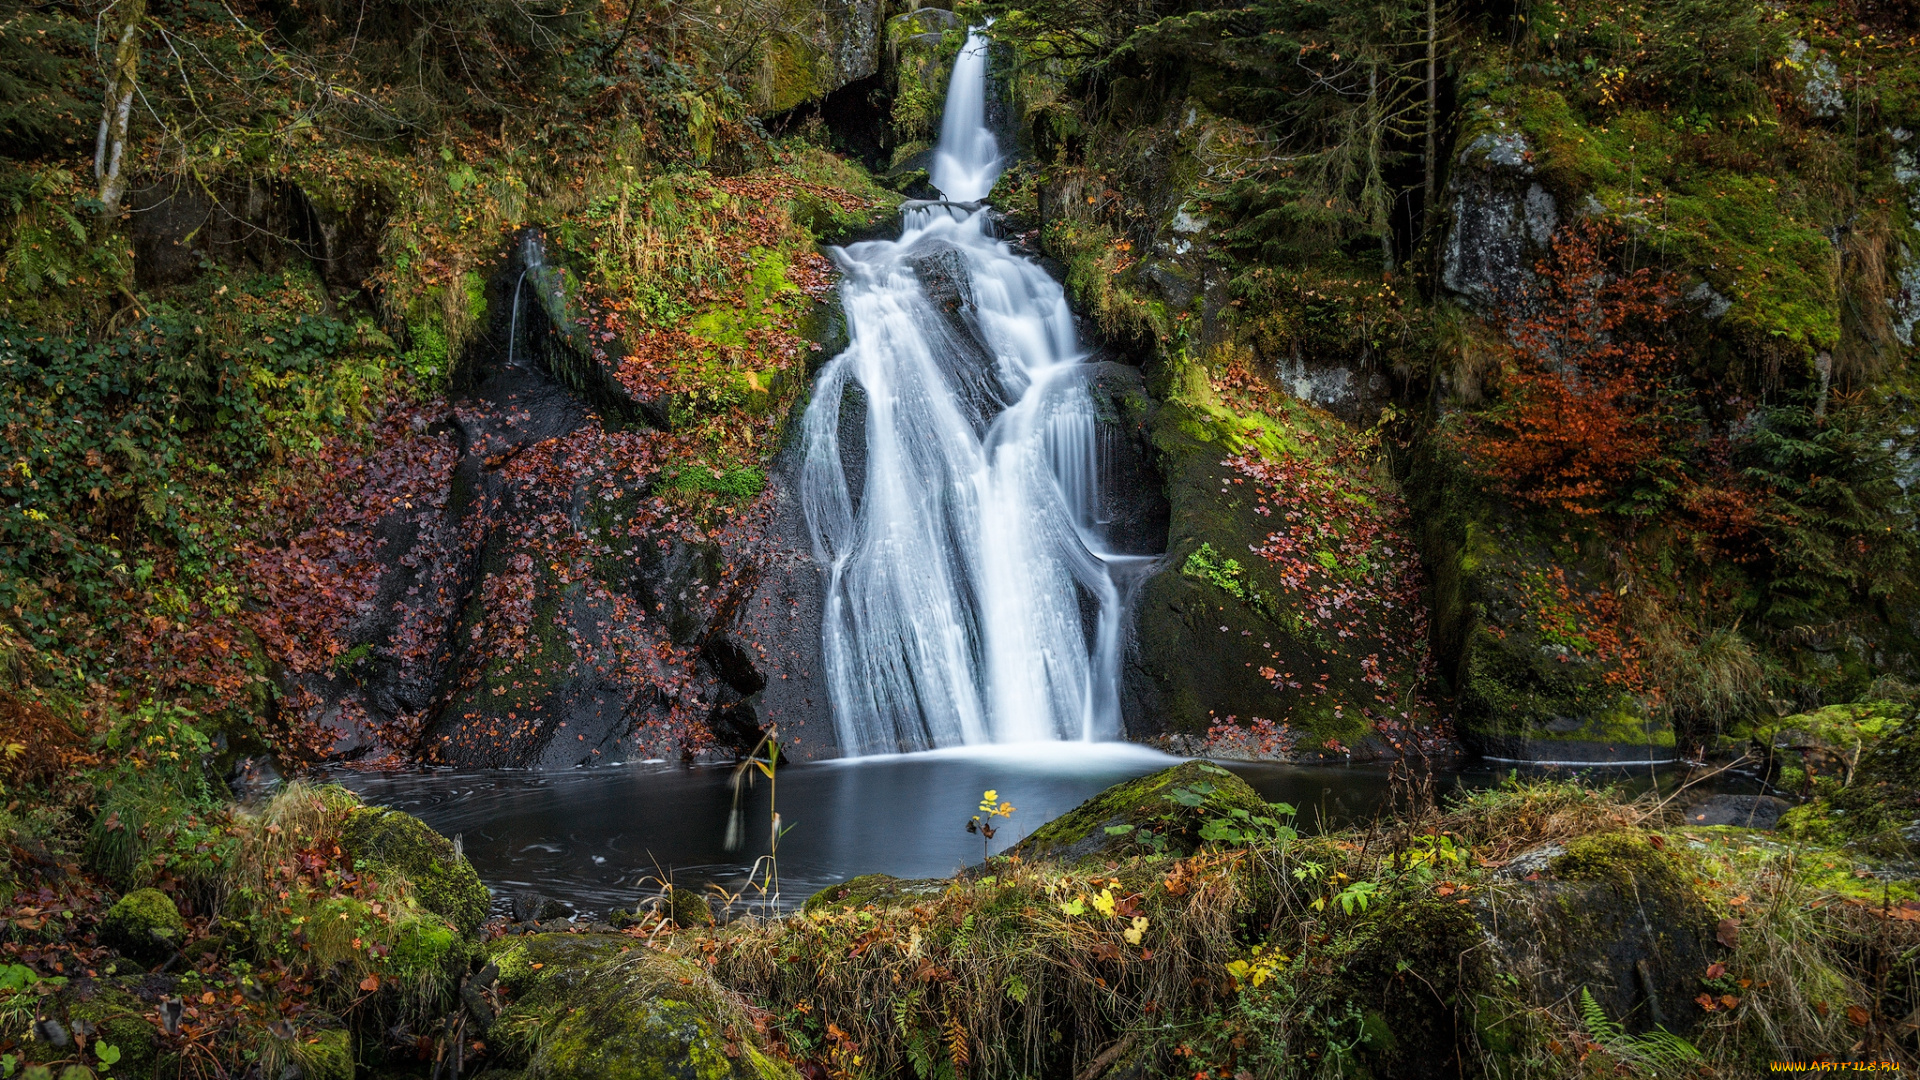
{"points": [[598, 838]]}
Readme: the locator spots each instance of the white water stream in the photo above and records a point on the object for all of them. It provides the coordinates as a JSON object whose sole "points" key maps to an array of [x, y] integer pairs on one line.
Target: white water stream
{"points": [[970, 595]]}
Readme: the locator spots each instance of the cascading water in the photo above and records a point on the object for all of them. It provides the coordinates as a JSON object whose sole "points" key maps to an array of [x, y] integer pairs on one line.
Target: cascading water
{"points": [[959, 572]]}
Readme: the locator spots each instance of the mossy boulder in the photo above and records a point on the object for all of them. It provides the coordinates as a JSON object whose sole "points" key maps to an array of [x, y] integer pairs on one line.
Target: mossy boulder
{"points": [[1419, 1026], [388, 841], [604, 1007], [1615, 913], [325, 1055], [1159, 813], [688, 908], [144, 924], [1830, 742], [117, 1018], [1860, 764], [878, 889]]}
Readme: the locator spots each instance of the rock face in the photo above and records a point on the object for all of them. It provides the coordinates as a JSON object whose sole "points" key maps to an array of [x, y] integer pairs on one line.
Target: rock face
{"points": [[1524, 688], [596, 1007], [1161, 812], [1502, 218], [535, 607], [837, 44], [1184, 672], [1133, 500], [177, 226]]}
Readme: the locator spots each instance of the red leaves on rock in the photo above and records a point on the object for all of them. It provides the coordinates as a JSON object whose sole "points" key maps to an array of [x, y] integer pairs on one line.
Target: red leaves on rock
{"points": [[1585, 407]]}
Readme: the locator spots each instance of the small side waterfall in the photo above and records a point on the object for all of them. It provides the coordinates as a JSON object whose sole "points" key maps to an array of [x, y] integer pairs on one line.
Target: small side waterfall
{"points": [[970, 595]]}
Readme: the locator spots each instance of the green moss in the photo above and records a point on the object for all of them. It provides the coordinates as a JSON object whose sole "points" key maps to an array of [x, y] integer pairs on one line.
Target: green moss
{"points": [[325, 1055], [829, 221], [1755, 239], [792, 74], [145, 925], [765, 287], [1629, 861], [1162, 811], [423, 949], [119, 1019], [445, 882], [881, 889], [733, 481], [687, 907], [1820, 860], [427, 359], [598, 1007]]}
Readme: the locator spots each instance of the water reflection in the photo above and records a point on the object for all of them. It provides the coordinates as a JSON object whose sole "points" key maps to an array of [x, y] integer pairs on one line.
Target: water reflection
{"points": [[595, 838]]}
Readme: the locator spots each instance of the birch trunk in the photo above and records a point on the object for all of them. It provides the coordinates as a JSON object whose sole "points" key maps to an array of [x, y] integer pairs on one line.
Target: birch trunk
{"points": [[110, 147]]}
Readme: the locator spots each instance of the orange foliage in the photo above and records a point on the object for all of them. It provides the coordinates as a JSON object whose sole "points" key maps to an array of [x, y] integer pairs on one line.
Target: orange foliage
{"points": [[1584, 405]]}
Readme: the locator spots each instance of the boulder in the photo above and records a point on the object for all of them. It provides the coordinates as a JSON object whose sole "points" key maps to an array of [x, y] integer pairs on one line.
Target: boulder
{"points": [[106, 1011], [880, 889], [601, 1007], [687, 907], [1831, 742], [144, 924], [1161, 813], [835, 45], [1616, 914], [395, 843], [532, 906], [1746, 811]]}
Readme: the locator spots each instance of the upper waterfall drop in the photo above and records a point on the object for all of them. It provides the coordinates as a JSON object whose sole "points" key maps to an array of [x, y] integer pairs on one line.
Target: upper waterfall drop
{"points": [[967, 160], [970, 594]]}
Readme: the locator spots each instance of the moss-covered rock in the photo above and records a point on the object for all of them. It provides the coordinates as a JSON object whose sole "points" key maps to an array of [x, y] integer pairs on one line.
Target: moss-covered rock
{"points": [[1830, 742], [1615, 913], [116, 1018], [838, 42], [1160, 812], [326, 1055], [687, 907], [144, 924], [602, 1007], [881, 889], [1414, 971], [396, 843]]}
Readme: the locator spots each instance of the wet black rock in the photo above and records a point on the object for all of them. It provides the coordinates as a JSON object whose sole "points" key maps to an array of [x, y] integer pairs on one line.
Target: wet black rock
{"points": [[1747, 811], [531, 906]]}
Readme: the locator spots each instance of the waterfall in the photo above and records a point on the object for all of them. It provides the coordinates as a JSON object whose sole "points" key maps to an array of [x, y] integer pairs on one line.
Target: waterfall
{"points": [[970, 595]]}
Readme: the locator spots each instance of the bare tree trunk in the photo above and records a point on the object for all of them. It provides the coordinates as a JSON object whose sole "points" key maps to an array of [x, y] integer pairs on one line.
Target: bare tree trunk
{"points": [[1433, 101], [110, 147]]}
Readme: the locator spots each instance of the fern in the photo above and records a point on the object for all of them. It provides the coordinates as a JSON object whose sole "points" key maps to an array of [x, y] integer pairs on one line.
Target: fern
{"points": [[1659, 1051], [957, 1047]]}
